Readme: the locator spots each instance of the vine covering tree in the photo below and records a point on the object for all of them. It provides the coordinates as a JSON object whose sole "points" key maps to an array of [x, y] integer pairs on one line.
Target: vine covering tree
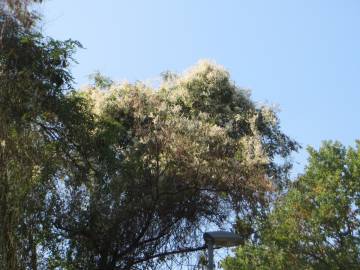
{"points": [[122, 176]]}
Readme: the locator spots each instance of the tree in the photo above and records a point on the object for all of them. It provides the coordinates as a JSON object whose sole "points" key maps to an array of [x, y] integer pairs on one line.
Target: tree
{"points": [[19, 10], [121, 176], [33, 81], [316, 224], [167, 162]]}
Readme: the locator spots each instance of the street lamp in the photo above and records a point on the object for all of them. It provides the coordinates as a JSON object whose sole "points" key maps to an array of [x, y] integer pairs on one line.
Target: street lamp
{"points": [[219, 239]]}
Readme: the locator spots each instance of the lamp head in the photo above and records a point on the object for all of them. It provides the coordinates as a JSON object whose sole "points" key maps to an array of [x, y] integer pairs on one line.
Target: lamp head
{"points": [[223, 238]]}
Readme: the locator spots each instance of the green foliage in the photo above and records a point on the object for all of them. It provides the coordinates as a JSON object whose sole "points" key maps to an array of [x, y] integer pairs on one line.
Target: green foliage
{"points": [[21, 12], [101, 81], [33, 78], [316, 224], [121, 176], [167, 161], [259, 257]]}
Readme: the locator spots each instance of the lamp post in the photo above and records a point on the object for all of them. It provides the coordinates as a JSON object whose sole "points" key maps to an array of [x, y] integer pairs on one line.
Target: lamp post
{"points": [[219, 239]]}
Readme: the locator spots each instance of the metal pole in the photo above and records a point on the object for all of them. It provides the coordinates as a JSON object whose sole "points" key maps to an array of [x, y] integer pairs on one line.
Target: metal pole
{"points": [[210, 246]]}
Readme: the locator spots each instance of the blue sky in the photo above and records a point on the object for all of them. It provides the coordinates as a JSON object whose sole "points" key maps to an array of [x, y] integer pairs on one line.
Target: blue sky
{"points": [[302, 55]]}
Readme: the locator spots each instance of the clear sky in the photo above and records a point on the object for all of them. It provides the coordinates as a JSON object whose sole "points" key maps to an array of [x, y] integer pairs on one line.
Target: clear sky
{"points": [[302, 55]]}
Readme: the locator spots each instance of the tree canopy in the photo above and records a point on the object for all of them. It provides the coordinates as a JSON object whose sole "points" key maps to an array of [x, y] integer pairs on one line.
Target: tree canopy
{"points": [[34, 79], [119, 176], [316, 224], [171, 160], [122, 176]]}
